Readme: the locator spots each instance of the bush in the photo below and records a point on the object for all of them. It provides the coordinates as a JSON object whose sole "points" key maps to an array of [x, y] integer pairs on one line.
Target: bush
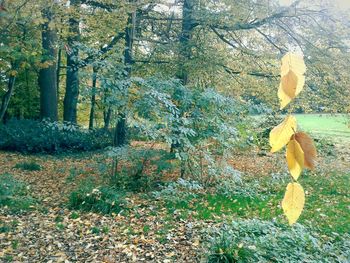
{"points": [[31, 136], [28, 166], [178, 191], [262, 241], [138, 169], [14, 195], [101, 199]]}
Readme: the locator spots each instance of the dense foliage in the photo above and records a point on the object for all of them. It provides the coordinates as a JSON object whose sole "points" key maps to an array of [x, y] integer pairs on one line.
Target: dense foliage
{"points": [[31, 136], [261, 241]]}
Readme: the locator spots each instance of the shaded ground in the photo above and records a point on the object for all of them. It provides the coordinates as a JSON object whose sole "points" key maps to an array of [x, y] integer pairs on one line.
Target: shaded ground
{"points": [[152, 230]]}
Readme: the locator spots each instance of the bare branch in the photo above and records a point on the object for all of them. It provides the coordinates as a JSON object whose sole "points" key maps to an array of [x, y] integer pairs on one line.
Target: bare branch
{"points": [[253, 73], [281, 49], [97, 4], [102, 51]]}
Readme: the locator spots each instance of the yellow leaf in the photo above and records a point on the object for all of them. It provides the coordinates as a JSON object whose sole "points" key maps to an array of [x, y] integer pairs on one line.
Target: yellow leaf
{"points": [[283, 97], [294, 62], [293, 202], [308, 147], [292, 78], [289, 83], [295, 158], [280, 135]]}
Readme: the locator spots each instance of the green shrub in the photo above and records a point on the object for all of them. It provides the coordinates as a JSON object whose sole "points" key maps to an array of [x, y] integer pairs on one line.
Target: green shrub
{"points": [[262, 241], [102, 199], [28, 166], [31, 136], [181, 190], [138, 169], [14, 195]]}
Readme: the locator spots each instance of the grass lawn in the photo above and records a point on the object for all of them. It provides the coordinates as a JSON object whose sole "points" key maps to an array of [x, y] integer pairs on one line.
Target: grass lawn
{"points": [[326, 208], [335, 127]]}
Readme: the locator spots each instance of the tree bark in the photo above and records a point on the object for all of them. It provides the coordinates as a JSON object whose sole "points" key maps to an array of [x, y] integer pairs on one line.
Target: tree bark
{"points": [[48, 75], [107, 118], [120, 131], [72, 78], [120, 136], [58, 70], [185, 38], [93, 98], [7, 96], [184, 51]]}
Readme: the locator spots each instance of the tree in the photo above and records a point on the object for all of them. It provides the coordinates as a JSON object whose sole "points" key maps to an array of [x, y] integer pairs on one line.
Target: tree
{"points": [[93, 98], [72, 72], [19, 42], [10, 87], [120, 138], [47, 74], [187, 27]]}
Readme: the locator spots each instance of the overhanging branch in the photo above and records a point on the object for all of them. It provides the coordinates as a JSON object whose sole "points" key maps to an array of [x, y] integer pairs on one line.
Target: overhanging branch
{"points": [[102, 51], [252, 73]]}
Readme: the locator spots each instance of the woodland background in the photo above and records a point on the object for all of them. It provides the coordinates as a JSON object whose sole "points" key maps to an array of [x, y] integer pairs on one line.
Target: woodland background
{"points": [[137, 130]]}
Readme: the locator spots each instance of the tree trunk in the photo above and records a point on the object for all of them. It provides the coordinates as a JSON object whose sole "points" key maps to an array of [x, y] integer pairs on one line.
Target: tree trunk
{"points": [[107, 118], [185, 38], [120, 137], [184, 51], [7, 96], [72, 79], [93, 98], [59, 60], [48, 75]]}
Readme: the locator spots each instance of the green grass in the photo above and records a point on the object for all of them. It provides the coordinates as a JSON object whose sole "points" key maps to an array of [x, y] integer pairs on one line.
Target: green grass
{"points": [[28, 166], [15, 195], [335, 127], [326, 208]]}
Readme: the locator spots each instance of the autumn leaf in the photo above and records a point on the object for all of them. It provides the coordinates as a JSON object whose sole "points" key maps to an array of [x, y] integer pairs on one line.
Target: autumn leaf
{"points": [[289, 83], [290, 87], [307, 145], [292, 78], [294, 62], [280, 135], [295, 158], [293, 202]]}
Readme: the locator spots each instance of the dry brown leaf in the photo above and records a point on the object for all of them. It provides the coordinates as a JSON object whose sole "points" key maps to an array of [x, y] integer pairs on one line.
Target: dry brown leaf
{"points": [[309, 149]]}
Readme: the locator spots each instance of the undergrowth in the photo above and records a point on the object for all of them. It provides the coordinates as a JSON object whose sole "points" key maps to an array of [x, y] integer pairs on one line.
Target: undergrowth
{"points": [[265, 241], [15, 195]]}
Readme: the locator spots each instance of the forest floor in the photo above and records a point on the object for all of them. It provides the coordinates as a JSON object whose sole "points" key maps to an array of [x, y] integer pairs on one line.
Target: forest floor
{"points": [[149, 229]]}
